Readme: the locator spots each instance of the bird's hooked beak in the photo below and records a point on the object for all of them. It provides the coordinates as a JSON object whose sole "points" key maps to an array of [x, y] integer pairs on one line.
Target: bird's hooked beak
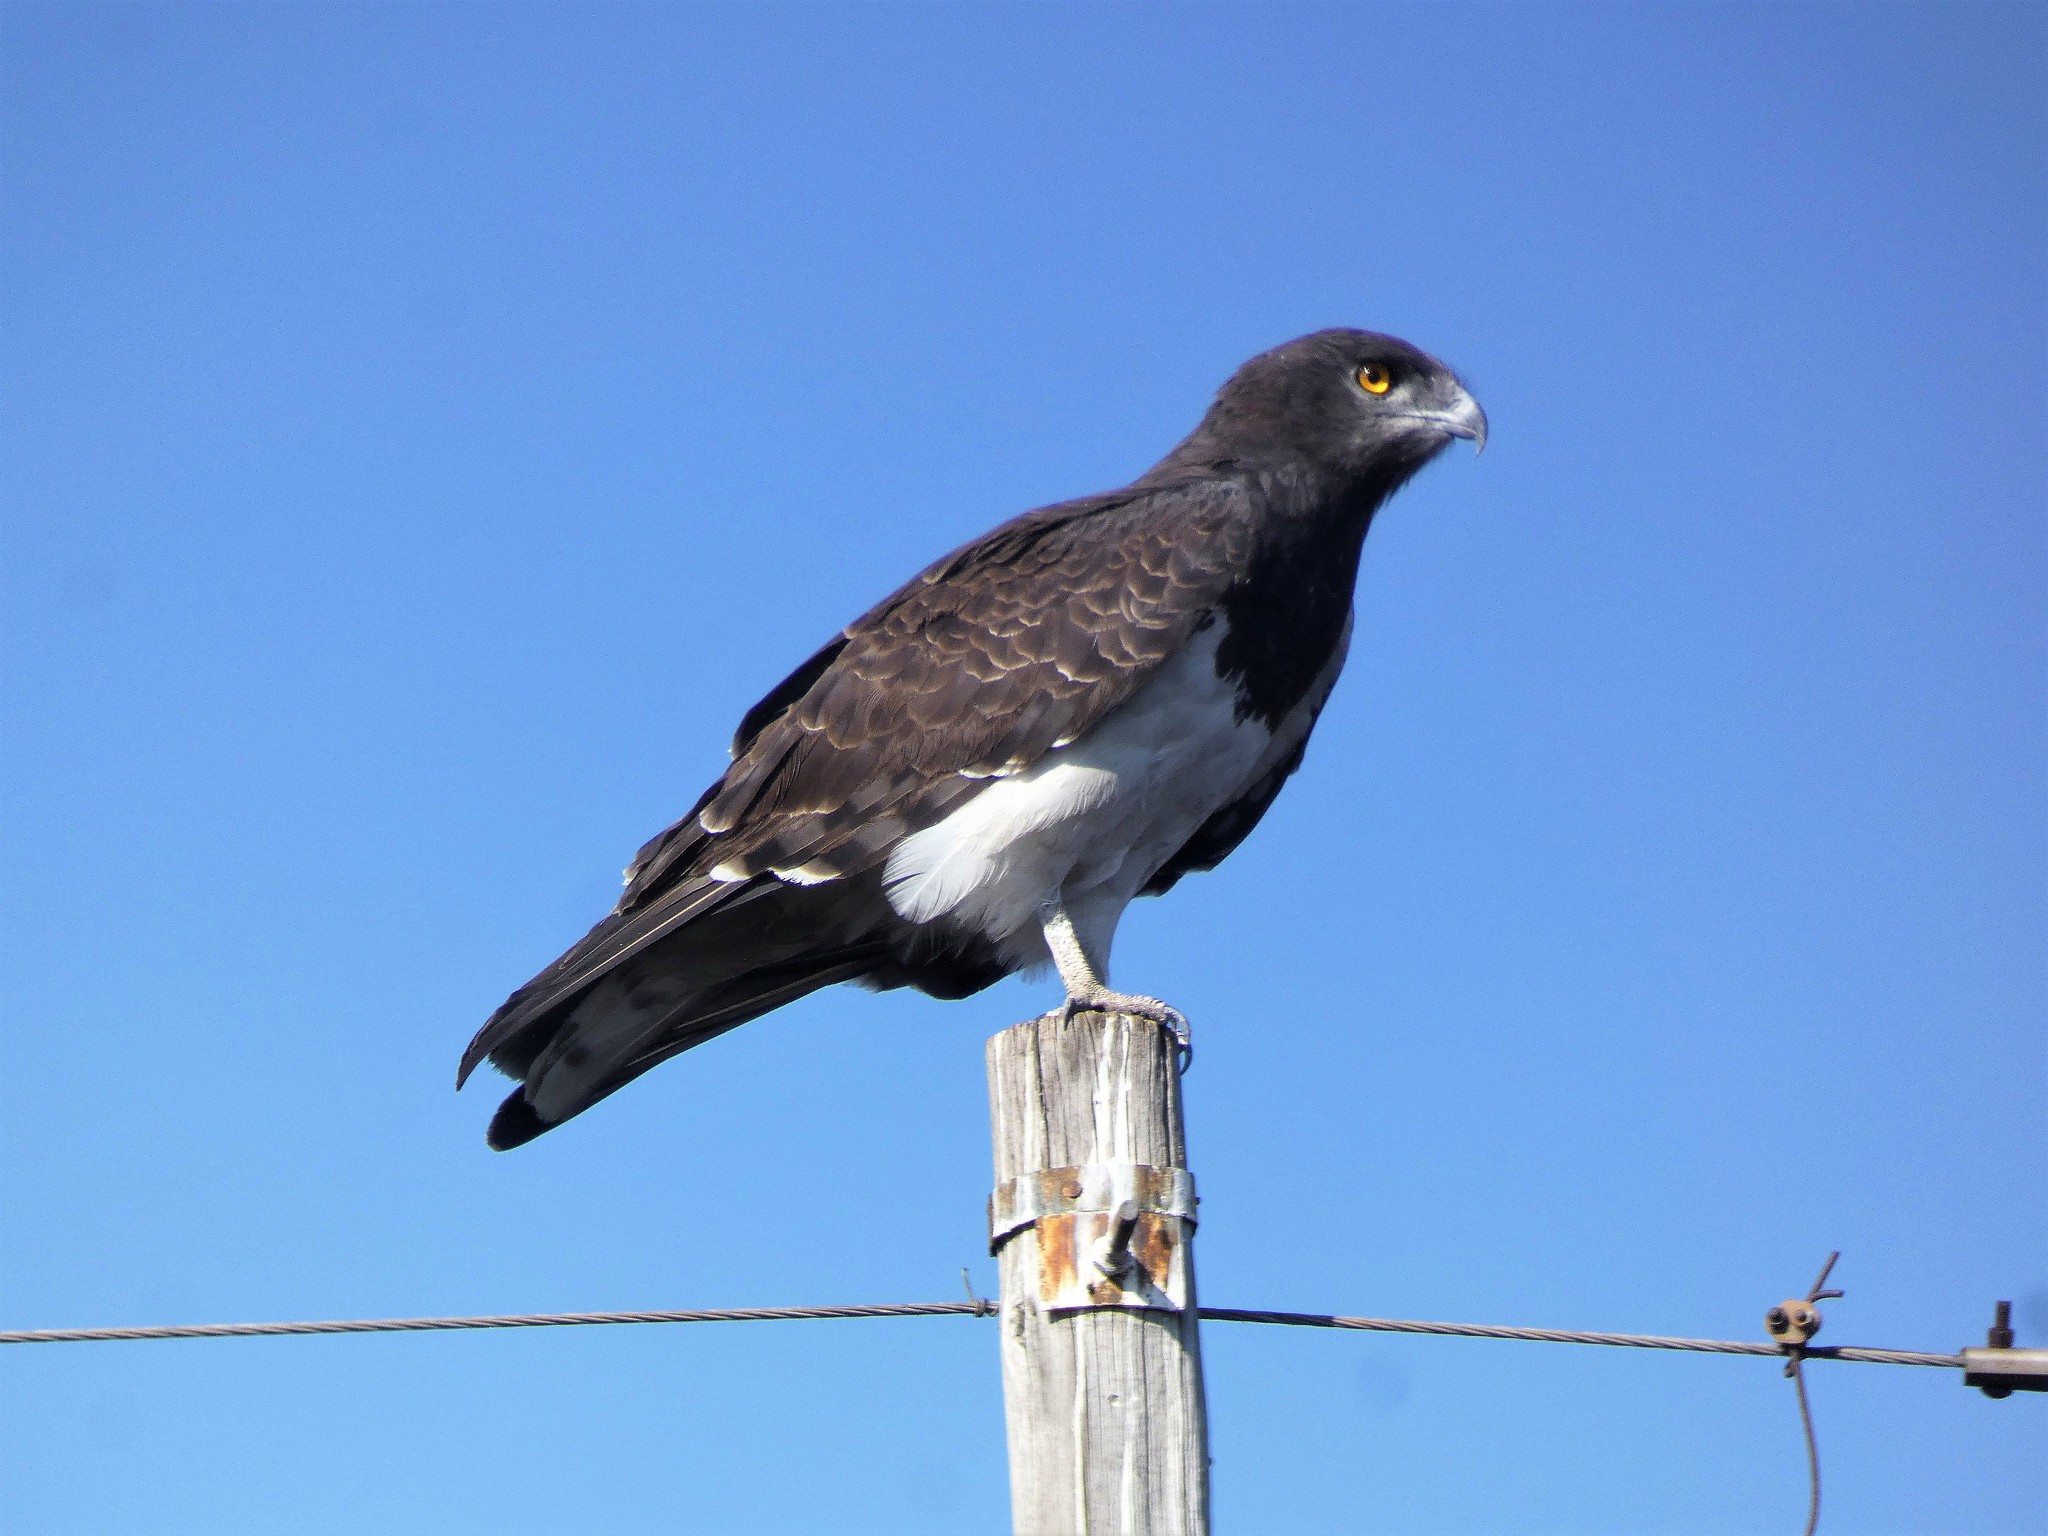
{"points": [[1460, 416]]}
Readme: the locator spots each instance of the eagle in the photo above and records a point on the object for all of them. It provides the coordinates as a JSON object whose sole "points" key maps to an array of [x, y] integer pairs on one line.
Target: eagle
{"points": [[977, 775]]}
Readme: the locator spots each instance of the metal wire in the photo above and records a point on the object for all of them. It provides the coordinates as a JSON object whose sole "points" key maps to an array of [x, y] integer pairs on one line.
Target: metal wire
{"points": [[1795, 1368], [971, 1308], [515, 1320], [1576, 1336], [1812, 1447]]}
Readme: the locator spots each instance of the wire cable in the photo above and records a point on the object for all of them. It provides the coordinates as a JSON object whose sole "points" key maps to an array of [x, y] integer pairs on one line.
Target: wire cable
{"points": [[1577, 1336], [513, 1320], [978, 1307], [1812, 1450]]}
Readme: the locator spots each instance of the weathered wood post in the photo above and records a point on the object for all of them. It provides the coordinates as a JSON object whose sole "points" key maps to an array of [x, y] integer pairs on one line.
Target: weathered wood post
{"points": [[1092, 1217]]}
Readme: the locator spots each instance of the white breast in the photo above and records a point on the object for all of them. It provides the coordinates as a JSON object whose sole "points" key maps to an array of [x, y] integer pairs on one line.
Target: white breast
{"points": [[1094, 820]]}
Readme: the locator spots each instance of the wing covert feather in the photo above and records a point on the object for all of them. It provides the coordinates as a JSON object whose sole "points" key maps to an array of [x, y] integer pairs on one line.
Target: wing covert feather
{"points": [[1009, 647]]}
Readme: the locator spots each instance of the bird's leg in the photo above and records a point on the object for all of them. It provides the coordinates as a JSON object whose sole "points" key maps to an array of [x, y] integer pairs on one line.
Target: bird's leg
{"points": [[1086, 991]]}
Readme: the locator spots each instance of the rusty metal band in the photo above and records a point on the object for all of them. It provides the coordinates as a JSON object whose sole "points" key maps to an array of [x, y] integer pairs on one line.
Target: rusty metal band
{"points": [[1092, 1187]]}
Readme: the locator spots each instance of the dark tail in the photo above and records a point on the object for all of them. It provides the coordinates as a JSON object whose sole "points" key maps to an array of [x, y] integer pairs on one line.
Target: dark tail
{"points": [[643, 987]]}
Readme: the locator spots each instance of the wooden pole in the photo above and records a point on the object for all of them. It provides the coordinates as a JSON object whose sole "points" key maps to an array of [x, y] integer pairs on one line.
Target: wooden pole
{"points": [[1102, 1365]]}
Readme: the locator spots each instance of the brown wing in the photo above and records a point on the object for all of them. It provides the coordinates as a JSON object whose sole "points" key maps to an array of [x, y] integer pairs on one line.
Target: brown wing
{"points": [[1008, 647]]}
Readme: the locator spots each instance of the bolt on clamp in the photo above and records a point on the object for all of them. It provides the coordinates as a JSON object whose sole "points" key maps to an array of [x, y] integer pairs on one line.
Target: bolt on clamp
{"points": [[1108, 1234]]}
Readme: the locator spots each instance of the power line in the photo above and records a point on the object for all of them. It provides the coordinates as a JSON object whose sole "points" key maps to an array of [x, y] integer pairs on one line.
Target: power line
{"points": [[1795, 1352], [974, 1307], [1577, 1336], [513, 1320]]}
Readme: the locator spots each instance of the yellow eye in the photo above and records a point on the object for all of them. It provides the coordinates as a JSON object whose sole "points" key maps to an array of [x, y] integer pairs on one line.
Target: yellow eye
{"points": [[1374, 379]]}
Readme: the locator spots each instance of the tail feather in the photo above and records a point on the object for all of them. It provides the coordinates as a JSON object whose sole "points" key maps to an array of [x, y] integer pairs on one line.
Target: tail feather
{"points": [[583, 1065], [524, 1023], [572, 1045]]}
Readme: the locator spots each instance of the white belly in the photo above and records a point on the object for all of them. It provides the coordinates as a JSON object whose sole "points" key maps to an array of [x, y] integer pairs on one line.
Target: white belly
{"points": [[1094, 820]]}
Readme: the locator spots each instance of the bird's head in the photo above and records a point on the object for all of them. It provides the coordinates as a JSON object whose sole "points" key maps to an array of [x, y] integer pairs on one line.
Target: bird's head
{"points": [[1350, 403]]}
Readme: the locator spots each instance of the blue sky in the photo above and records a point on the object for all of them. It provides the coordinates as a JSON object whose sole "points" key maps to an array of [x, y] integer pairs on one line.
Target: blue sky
{"points": [[426, 429]]}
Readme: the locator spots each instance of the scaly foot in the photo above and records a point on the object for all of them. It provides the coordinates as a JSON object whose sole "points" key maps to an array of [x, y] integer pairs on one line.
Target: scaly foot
{"points": [[1165, 1015]]}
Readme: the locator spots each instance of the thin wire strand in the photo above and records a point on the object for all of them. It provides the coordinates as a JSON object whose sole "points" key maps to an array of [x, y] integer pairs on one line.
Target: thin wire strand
{"points": [[1812, 1450], [979, 1307], [1795, 1367]]}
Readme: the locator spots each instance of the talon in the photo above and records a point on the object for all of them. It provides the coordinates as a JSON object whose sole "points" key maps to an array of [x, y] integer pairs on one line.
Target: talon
{"points": [[1165, 1015], [1176, 1024]]}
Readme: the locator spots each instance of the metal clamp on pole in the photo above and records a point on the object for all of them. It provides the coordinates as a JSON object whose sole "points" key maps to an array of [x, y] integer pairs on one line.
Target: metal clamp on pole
{"points": [[1999, 1370], [1109, 1234]]}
